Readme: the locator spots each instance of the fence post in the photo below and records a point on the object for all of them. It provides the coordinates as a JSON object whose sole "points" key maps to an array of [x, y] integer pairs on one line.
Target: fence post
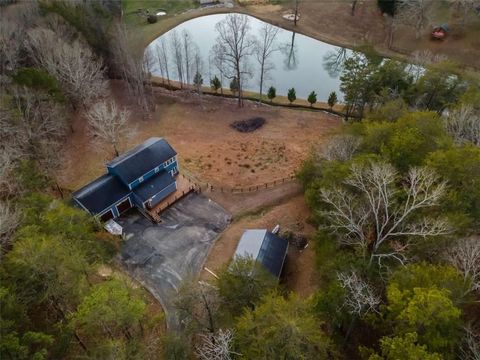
{"points": [[266, 184], [274, 182]]}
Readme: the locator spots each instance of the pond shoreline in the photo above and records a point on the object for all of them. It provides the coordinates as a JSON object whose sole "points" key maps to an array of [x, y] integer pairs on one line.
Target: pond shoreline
{"points": [[168, 23], [252, 96]]}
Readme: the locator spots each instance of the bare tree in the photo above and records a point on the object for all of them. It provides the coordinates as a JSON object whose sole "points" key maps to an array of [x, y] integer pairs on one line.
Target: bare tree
{"points": [[341, 147], [295, 19], [374, 217], [236, 45], [9, 156], [217, 54], [13, 27], [420, 59], [470, 350], [73, 64], [11, 43], [108, 123], [218, 346], [333, 61], [465, 8], [465, 257], [264, 48], [134, 70], [463, 124], [188, 55], [197, 304], [290, 51], [360, 297], [198, 68], [162, 58], [32, 120], [9, 221], [176, 49], [415, 13]]}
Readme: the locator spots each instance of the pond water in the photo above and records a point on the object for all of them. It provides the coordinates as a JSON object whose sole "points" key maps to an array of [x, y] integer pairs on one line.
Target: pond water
{"points": [[299, 61]]}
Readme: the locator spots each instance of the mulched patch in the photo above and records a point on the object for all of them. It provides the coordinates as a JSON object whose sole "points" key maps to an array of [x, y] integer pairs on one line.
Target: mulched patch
{"points": [[248, 125]]}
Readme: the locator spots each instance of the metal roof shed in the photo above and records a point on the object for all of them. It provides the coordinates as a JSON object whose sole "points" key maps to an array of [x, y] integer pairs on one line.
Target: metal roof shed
{"points": [[265, 247]]}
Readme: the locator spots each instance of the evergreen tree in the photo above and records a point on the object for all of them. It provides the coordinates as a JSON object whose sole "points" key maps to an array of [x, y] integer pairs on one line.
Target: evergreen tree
{"points": [[312, 98], [234, 85], [281, 329], [292, 95], [272, 93], [332, 99], [215, 84], [242, 283], [198, 81]]}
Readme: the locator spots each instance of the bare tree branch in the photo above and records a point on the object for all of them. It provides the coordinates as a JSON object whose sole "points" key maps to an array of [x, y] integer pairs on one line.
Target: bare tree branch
{"points": [[9, 221], [236, 45], [465, 257], [463, 125], [415, 13], [73, 64], [218, 346], [372, 215], [108, 123], [341, 147], [361, 297], [264, 48]]}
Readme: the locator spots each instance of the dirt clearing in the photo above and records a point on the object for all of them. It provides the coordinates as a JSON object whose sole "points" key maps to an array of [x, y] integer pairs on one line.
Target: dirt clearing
{"points": [[199, 129]]}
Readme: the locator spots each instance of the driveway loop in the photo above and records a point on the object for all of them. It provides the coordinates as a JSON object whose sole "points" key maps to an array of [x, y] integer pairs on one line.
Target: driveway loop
{"points": [[160, 255]]}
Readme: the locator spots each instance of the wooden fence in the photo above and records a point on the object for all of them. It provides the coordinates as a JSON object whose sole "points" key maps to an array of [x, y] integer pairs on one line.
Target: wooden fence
{"points": [[209, 187]]}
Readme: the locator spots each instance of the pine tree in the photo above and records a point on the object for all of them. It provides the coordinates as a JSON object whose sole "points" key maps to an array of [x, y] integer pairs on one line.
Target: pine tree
{"points": [[332, 99], [292, 95], [312, 98], [215, 84], [272, 93]]}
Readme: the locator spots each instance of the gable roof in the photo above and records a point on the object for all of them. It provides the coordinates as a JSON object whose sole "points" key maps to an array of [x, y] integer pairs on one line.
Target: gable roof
{"points": [[101, 193], [138, 161], [153, 185], [265, 247]]}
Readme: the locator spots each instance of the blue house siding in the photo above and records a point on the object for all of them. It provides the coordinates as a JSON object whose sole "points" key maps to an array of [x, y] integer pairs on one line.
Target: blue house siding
{"points": [[137, 201], [155, 199], [156, 170]]}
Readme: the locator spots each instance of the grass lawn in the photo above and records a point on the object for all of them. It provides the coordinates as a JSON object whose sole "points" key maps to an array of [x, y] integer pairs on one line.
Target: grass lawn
{"points": [[171, 7]]}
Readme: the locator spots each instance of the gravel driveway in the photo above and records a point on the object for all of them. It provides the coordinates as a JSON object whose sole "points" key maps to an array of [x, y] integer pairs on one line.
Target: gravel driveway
{"points": [[161, 255]]}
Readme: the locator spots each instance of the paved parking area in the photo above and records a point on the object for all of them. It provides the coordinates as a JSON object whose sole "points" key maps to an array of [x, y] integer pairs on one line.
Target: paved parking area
{"points": [[161, 255]]}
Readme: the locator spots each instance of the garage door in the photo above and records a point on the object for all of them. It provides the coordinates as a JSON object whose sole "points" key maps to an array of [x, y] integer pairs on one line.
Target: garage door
{"points": [[124, 206], [107, 216]]}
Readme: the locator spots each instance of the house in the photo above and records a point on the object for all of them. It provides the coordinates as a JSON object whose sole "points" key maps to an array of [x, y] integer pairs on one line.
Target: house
{"points": [[141, 177], [264, 247]]}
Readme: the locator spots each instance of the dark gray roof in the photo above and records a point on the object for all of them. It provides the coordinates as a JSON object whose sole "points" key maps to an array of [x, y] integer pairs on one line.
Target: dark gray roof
{"points": [[101, 193], [272, 253], [153, 185], [143, 158], [265, 247]]}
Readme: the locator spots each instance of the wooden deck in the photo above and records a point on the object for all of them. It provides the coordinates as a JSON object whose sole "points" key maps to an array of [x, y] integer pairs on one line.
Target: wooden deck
{"points": [[184, 187]]}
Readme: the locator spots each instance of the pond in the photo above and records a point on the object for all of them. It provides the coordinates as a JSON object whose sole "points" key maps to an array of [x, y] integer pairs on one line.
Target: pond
{"points": [[299, 61]]}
